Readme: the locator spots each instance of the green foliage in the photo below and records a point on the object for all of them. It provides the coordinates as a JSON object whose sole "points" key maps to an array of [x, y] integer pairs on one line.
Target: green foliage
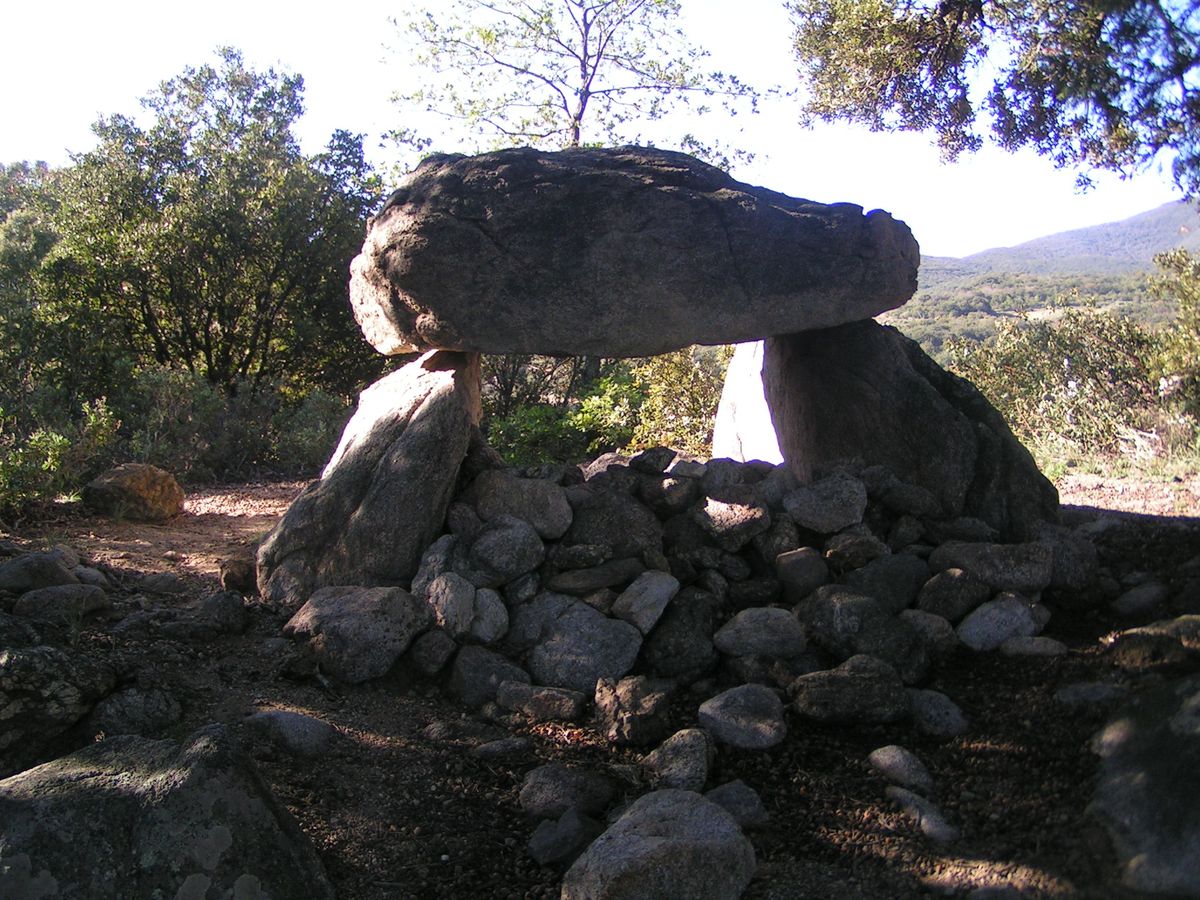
{"points": [[1082, 378], [208, 242], [536, 433], [1179, 364], [682, 390], [1089, 82], [560, 73]]}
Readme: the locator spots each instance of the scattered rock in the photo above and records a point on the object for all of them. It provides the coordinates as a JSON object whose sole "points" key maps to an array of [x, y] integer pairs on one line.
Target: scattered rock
{"points": [[632, 711], [863, 689], [681, 761], [1033, 646], [63, 604], [936, 715], [952, 594], [293, 732], [478, 673], [1021, 568], [761, 631], [541, 503], [996, 621], [668, 844], [925, 815], [135, 491], [542, 704], [135, 710], [828, 505], [742, 802], [225, 611], [749, 717], [643, 602], [550, 790], [901, 767], [560, 841], [32, 571]]}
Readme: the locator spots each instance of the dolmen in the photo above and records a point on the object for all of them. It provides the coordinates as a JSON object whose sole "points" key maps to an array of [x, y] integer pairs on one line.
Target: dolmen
{"points": [[621, 253]]}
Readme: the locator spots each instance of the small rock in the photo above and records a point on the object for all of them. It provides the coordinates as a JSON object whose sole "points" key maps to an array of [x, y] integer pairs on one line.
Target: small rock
{"points": [[452, 600], [936, 632], [478, 673], [293, 732], [1033, 646], [542, 704], [225, 611], [952, 594], [762, 631], [63, 604], [742, 802], [1141, 600], [431, 651], [550, 790], [1023, 568], [863, 689], [893, 581], [643, 602], [32, 571], [161, 583], [135, 710], [681, 761], [560, 841], [489, 619], [632, 711], [901, 767], [989, 626], [801, 572], [135, 491], [925, 814], [614, 573], [936, 715], [853, 550], [749, 717], [502, 748], [828, 505]]}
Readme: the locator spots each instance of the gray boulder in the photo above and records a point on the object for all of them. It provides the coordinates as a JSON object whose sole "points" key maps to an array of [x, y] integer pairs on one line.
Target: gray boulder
{"points": [[762, 631], [542, 704], [668, 844], [681, 761], [936, 715], [902, 767], [131, 817], [952, 594], [32, 571], [925, 814], [578, 645], [616, 520], [358, 633], [293, 732], [864, 393], [135, 710], [993, 623], [827, 505], [477, 674], [382, 497], [732, 515], [681, 645], [643, 602], [63, 603], [742, 802], [1024, 568], [538, 501], [550, 790], [893, 580], [632, 711], [749, 717], [1150, 766], [524, 251], [503, 551]]}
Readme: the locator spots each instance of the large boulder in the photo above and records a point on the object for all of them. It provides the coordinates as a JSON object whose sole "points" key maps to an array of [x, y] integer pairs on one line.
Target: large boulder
{"points": [[382, 497], [619, 252], [131, 817], [135, 491], [864, 393]]}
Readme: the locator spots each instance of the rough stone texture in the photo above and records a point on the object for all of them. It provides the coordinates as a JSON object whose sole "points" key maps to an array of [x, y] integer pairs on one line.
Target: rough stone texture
{"points": [[135, 710], [617, 520], [762, 631], [902, 767], [550, 790], [936, 632], [1024, 568], [135, 491], [863, 689], [524, 251], [477, 674], [43, 692], [489, 618], [541, 503], [504, 550], [131, 817], [452, 600], [749, 717], [32, 571], [643, 602], [863, 392], [614, 573], [431, 651], [632, 711], [893, 580], [225, 611], [681, 761], [827, 505], [1150, 762], [668, 844], [382, 497], [1033, 646], [579, 645], [681, 646], [996, 621], [542, 704], [836, 615], [435, 561], [801, 571], [952, 594], [732, 515], [294, 732], [358, 633], [743, 429], [63, 603]]}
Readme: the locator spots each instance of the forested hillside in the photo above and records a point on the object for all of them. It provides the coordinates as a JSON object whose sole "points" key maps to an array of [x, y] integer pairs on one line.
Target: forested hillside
{"points": [[1106, 264]]}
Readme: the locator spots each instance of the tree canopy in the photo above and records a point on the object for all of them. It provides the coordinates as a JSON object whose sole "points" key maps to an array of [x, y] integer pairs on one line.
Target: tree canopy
{"points": [[561, 73], [209, 239], [1105, 84]]}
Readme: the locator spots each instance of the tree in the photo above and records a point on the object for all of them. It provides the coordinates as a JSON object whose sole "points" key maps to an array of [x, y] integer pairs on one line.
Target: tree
{"points": [[1179, 281], [561, 73], [1103, 84], [210, 241]]}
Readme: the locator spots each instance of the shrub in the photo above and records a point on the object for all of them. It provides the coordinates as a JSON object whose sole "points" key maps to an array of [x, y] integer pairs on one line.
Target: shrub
{"points": [[1082, 379], [682, 390]]}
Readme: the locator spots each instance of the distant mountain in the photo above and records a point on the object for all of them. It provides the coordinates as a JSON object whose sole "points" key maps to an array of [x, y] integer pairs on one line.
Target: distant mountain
{"points": [[1108, 264], [1115, 248]]}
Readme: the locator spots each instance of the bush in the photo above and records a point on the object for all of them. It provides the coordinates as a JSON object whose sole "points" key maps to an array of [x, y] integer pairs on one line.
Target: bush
{"points": [[682, 390], [1082, 380]]}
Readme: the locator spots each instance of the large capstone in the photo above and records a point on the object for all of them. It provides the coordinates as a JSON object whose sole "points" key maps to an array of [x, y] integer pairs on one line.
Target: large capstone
{"points": [[618, 252], [382, 497], [863, 393]]}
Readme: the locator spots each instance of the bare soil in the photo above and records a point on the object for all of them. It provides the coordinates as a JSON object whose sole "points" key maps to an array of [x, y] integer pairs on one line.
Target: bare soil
{"points": [[402, 808]]}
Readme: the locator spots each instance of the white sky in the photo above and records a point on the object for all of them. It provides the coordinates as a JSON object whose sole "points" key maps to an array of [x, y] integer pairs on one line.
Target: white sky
{"points": [[64, 64]]}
